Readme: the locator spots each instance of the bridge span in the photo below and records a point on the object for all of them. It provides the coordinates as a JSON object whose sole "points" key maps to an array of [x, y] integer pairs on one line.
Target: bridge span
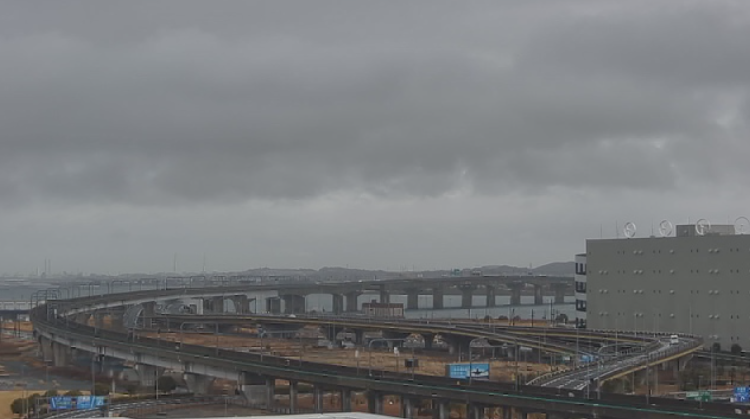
{"points": [[61, 336]]}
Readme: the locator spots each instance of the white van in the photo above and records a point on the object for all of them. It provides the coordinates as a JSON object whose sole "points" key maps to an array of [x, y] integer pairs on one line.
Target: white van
{"points": [[674, 340]]}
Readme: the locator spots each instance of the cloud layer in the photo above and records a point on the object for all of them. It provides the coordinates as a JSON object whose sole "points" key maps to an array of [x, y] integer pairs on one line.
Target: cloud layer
{"points": [[183, 106]]}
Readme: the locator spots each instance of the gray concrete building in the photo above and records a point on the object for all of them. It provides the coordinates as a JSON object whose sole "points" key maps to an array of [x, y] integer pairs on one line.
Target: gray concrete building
{"points": [[697, 281]]}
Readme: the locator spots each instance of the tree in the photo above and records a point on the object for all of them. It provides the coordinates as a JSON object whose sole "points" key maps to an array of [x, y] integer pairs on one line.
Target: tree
{"points": [[51, 393], [167, 383], [562, 318], [716, 347], [17, 406], [101, 389], [131, 389], [73, 393]]}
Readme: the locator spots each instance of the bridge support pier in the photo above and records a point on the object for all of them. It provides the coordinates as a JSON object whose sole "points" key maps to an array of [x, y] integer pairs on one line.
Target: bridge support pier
{"points": [[351, 301], [60, 354], [293, 304], [273, 305], [270, 393], [149, 312], [474, 411], [385, 296], [346, 400], [437, 298], [241, 304], [440, 409], [375, 402], [559, 290], [318, 398], [491, 295], [217, 305], [412, 299], [293, 386], [407, 407], [467, 295], [254, 388], [538, 295], [515, 293], [337, 301], [149, 374]]}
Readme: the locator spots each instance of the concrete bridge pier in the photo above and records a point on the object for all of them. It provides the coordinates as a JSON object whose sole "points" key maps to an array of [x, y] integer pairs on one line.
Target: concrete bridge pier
{"points": [[294, 304], [412, 298], [559, 290], [197, 383], [241, 304], [515, 293], [474, 411], [253, 386], [82, 318], [407, 407], [293, 386], [467, 294], [318, 392], [491, 293], [337, 301], [45, 345], [99, 319], [374, 402], [270, 393], [351, 301], [273, 305], [538, 295], [346, 400], [437, 298], [148, 374], [118, 321], [149, 312], [385, 296], [217, 305], [440, 409], [60, 355]]}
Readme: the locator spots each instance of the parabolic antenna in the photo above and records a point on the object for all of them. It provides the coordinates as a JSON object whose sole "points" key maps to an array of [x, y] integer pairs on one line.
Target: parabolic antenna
{"points": [[702, 227], [741, 225], [665, 228], [629, 230]]}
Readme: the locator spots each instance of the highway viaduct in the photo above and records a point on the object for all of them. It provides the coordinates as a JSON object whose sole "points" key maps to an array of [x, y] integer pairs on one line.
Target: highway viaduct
{"points": [[61, 338]]}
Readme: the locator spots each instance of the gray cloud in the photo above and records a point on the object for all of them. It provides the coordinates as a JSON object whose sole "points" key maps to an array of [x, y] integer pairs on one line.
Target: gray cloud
{"points": [[177, 104]]}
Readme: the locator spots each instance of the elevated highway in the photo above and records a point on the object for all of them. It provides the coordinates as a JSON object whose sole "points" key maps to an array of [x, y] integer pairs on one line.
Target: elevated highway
{"points": [[61, 336]]}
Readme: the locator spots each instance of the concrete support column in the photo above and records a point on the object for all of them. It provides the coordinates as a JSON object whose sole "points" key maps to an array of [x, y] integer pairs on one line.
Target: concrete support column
{"points": [[491, 293], [474, 411], [293, 304], [270, 393], [467, 294], [507, 412], [318, 399], [538, 295], [217, 303], [437, 298], [428, 340], [273, 305], [338, 303], [149, 374], [515, 293], [60, 355], [440, 409], [82, 318], [149, 312], [254, 388], [375, 402], [293, 397], [351, 301], [559, 290], [241, 304], [346, 400], [385, 296], [407, 407], [412, 299]]}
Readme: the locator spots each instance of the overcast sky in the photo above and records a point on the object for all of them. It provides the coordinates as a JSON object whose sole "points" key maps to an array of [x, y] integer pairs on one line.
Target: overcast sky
{"points": [[379, 135]]}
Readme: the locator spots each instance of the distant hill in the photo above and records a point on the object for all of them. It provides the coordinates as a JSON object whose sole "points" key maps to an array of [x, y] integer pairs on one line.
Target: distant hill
{"points": [[556, 269]]}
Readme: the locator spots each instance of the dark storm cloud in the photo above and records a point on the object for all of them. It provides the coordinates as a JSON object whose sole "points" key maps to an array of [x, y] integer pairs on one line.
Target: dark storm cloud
{"points": [[164, 103]]}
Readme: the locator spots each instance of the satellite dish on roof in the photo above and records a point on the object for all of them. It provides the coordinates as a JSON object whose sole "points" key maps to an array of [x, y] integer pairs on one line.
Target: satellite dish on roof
{"points": [[702, 227], [629, 230], [741, 225], [665, 228]]}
